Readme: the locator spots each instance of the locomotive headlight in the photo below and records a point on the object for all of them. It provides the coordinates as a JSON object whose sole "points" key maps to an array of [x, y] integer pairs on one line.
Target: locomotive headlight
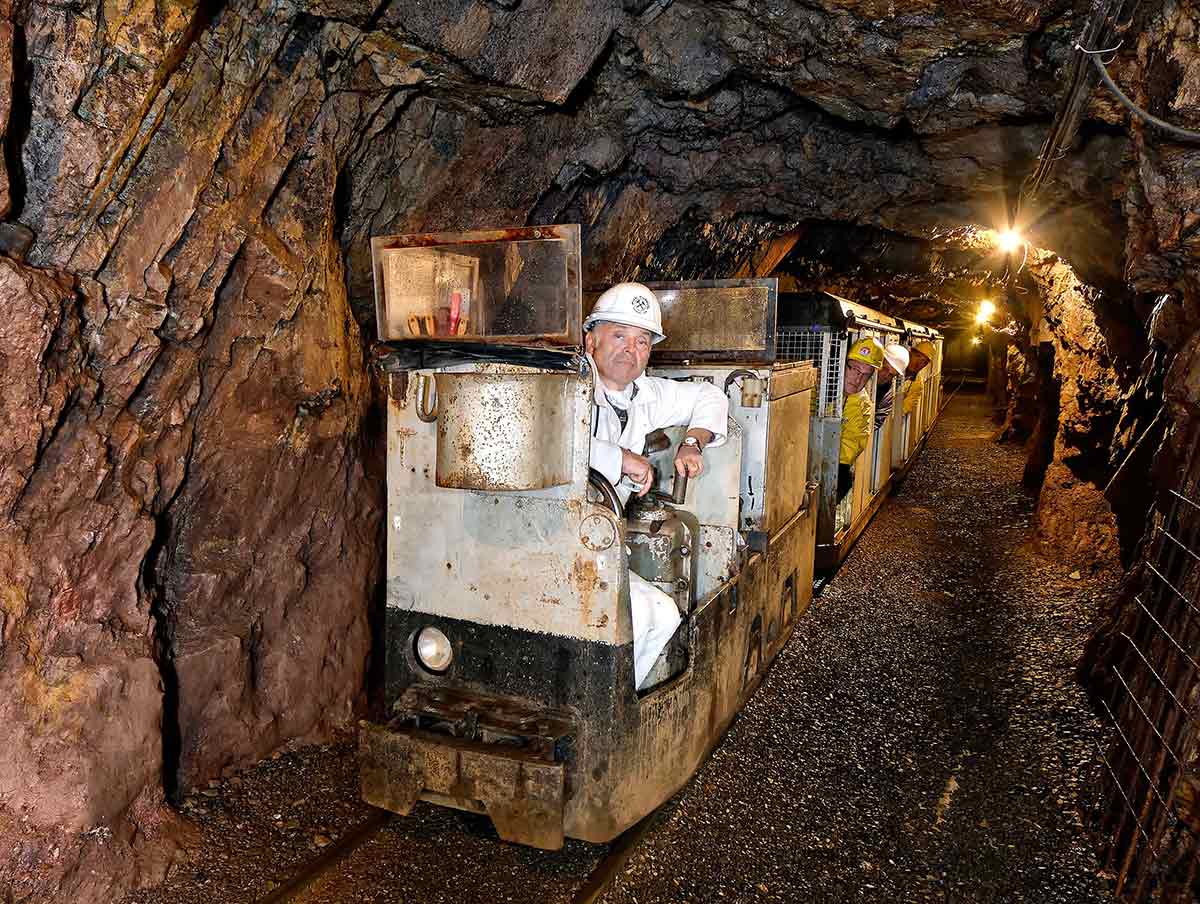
{"points": [[433, 649]]}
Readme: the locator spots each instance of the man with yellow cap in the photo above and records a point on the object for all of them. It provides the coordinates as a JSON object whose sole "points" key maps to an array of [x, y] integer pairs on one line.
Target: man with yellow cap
{"points": [[863, 360]]}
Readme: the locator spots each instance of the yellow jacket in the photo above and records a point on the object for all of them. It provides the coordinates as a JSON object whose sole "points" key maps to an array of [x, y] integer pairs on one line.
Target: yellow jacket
{"points": [[856, 427], [913, 390]]}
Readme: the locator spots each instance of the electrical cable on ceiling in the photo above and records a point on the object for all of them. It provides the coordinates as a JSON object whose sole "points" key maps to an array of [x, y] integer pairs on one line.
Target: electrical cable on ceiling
{"points": [[1074, 103], [1177, 131]]}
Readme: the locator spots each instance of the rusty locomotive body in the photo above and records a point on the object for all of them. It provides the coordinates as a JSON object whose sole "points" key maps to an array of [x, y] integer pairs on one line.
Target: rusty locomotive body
{"points": [[509, 643]]}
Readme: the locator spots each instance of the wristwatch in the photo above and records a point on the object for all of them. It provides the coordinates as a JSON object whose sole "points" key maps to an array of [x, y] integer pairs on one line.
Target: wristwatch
{"points": [[692, 441]]}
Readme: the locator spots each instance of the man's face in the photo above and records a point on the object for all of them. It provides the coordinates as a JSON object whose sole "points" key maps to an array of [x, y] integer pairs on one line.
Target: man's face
{"points": [[887, 373], [620, 352], [916, 362], [857, 375]]}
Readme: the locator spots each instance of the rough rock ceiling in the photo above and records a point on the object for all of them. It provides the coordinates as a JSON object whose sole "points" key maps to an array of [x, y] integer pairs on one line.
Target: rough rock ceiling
{"points": [[899, 115]]}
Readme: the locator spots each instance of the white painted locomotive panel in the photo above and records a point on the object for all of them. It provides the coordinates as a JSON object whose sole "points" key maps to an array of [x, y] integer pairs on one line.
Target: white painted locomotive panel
{"points": [[515, 558]]}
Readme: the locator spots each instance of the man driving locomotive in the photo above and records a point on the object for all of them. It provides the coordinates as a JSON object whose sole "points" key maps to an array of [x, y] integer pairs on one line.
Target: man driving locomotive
{"points": [[625, 322]]}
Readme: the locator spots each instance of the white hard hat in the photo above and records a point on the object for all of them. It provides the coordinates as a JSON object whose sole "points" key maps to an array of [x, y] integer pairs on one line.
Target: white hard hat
{"points": [[629, 303], [897, 356]]}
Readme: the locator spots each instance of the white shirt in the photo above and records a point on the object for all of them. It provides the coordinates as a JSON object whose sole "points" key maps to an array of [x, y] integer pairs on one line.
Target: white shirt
{"points": [[652, 403]]}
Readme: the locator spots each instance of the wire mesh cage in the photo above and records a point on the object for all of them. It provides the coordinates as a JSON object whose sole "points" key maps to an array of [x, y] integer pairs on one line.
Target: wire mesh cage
{"points": [[826, 350], [1150, 813]]}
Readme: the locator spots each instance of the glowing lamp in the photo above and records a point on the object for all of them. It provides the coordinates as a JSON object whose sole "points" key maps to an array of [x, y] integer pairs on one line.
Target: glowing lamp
{"points": [[986, 310], [975, 340], [1009, 241]]}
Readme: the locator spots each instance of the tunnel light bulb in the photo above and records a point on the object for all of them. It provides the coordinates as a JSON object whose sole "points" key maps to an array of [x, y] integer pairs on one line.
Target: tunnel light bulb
{"points": [[986, 310], [975, 340], [1009, 241]]}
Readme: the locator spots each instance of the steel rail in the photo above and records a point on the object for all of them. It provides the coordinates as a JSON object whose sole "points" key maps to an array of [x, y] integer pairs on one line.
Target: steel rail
{"points": [[606, 871], [314, 869]]}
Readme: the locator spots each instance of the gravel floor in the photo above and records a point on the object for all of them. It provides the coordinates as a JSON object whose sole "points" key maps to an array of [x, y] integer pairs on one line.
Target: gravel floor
{"points": [[920, 738]]}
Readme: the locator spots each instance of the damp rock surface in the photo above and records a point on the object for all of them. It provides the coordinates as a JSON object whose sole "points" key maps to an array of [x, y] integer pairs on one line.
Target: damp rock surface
{"points": [[922, 736]]}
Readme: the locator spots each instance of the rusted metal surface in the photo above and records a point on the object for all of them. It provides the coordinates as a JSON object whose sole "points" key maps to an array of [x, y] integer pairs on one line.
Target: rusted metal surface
{"points": [[397, 387], [560, 232], [663, 548], [787, 445], [497, 557], [503, 431], [774, 437], [473, 715], [733, 319], [488, 753], [791, 377], [718, 320], [521, 793], [519, 286], [713, 499]]}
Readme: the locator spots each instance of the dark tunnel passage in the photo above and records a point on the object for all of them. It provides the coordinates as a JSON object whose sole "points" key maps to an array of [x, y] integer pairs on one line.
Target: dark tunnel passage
{"points": [[210, 533]]}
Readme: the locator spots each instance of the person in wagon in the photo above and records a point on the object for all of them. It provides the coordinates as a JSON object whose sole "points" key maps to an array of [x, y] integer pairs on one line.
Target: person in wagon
{"points": [[627, 405], [914, 379], [864, 358], [895, 365]]}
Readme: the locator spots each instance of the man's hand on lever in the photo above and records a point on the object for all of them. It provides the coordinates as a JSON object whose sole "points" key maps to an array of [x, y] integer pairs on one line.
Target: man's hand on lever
{"points": [[638, 469], [689, 457]]}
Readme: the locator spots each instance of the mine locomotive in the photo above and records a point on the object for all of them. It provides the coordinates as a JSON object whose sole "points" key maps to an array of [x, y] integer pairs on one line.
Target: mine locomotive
{"points": [[509, 654]]}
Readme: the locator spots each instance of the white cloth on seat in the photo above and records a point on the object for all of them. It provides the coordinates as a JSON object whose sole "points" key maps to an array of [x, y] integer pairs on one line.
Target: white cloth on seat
{"points": [[655, 618]]}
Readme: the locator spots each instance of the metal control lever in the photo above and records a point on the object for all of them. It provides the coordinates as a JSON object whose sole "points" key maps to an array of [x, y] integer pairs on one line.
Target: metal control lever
{"points": [[658, 441], [678, 492]]}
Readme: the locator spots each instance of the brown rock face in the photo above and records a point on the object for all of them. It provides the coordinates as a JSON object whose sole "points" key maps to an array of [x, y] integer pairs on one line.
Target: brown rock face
{"points": [[191, 534]]}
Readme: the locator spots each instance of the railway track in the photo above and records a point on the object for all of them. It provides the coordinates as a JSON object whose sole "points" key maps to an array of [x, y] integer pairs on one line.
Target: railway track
{"points": [[309, 873], [598, 881]]}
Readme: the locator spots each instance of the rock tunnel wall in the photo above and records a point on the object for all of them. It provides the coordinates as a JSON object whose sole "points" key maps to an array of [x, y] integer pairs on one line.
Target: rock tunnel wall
{"points": [[191, 489]]}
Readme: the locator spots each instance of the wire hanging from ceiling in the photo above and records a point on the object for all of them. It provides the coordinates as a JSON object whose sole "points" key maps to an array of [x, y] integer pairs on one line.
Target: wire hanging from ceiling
{"points": [[1081, 79], [1146, 116]]}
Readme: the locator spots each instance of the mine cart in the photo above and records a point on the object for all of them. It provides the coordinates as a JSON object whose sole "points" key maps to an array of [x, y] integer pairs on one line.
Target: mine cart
{"points": [[819, 327], [509, 661]]}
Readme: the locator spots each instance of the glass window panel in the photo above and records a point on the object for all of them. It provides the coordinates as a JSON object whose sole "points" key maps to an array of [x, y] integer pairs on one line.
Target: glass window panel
{"points": [[507, 289]]}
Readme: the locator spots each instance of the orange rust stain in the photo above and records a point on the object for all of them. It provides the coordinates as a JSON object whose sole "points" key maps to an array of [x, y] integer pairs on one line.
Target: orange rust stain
{"points": [[584, 574], [586, 579], [403, 434]]}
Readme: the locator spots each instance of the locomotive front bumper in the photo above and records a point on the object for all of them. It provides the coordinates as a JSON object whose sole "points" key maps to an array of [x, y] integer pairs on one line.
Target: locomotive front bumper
{"points": [[477, 752]]}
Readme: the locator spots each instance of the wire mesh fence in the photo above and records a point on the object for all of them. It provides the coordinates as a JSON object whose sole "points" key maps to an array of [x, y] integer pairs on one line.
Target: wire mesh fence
{"points": [[825, 349], [1150, 809]]}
